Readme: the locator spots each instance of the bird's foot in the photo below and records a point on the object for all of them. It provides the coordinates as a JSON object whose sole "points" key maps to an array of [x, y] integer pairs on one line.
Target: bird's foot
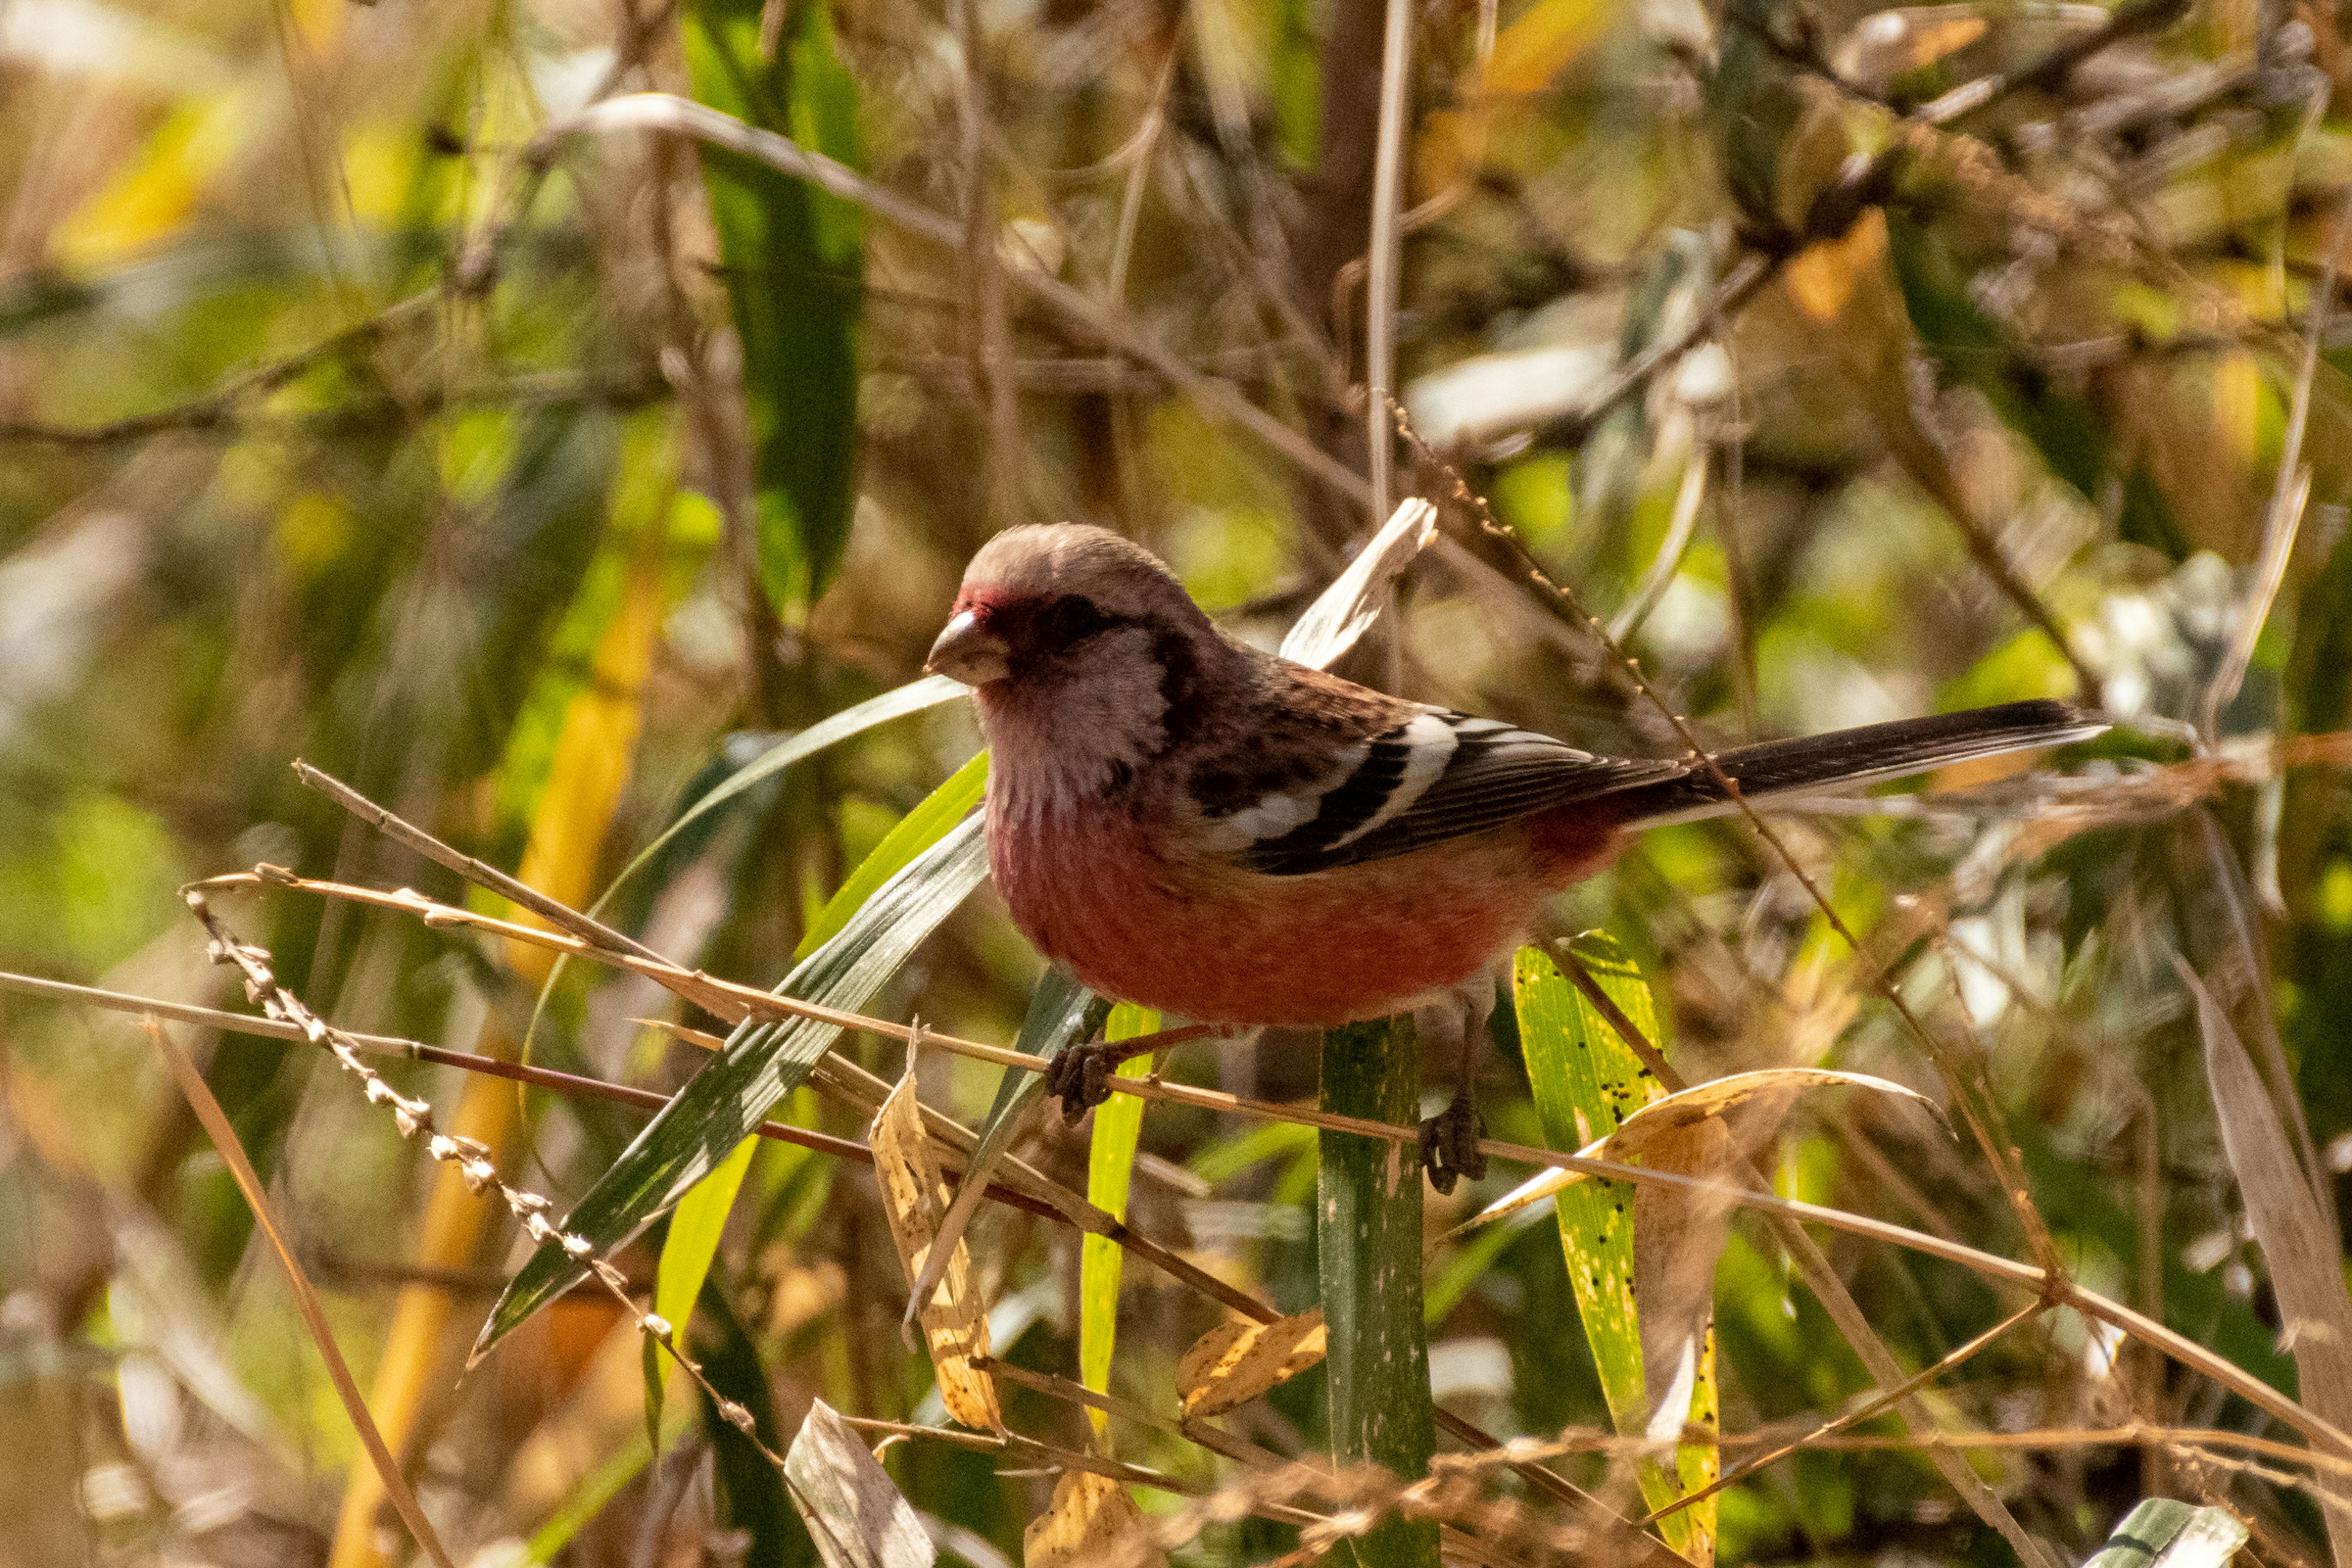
{"points": [[1079, 1075], [1449, 1144]]}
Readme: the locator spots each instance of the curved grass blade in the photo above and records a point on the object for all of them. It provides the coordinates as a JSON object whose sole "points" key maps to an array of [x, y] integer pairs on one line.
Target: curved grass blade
{"points": [[1110, 1163], [760, 1062], [701, 1216], [932, 691]]}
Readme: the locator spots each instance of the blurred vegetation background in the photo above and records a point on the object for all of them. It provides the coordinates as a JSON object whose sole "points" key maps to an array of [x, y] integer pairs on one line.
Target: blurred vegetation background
{"points": [[376, 389]]}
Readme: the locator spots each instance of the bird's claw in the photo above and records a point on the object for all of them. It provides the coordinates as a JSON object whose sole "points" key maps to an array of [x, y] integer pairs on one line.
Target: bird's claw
{"points": [[1079, 1077], [1449, 1144]]}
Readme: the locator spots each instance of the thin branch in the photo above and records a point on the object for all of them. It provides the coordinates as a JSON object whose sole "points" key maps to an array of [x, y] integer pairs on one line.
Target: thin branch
{"points": [[225, 1143], [481, 873], [570, 1084], [1386, 254], [219, 409], [2047, 1282], [1080, 311]]}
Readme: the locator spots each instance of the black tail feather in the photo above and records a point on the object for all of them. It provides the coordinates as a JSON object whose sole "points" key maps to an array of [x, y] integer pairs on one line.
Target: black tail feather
{"points": [[1859, 755]]}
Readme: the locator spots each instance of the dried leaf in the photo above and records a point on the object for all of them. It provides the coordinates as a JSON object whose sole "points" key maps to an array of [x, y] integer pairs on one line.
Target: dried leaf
{"points": [[2163, 1533], [2298, 1242], [854, 1513], [1764, 1095], [1885, 45], [1239, 1359], [1678, 1234], [1346, 610], [915, 1197], [1772, 1087], [1822, 276], [1091, 1523]]}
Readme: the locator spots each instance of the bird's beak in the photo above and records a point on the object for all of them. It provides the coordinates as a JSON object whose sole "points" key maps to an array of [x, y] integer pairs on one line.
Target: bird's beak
{"points": [[969, 652]]}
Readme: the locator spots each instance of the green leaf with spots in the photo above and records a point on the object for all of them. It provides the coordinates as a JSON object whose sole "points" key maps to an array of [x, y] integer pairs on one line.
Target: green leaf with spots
{"points": [[1587, 1080]]}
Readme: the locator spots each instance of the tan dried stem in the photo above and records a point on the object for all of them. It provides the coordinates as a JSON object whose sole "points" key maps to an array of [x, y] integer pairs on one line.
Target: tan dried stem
{"points": [[414, 1118]]}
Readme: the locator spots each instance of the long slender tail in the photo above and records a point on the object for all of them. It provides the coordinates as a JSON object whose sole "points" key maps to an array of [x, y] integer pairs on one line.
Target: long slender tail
{"points": [[1842, 757]]}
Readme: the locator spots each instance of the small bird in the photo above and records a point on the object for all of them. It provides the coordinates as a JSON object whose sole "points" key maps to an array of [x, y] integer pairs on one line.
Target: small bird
{"points": [[1186, 823]]}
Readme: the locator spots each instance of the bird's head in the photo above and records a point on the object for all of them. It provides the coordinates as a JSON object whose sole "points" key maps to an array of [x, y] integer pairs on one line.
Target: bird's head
{"points": [[1042, 604], [1087, 659]]}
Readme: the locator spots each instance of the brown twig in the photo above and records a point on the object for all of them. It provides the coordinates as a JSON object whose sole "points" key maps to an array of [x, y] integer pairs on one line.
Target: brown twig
{"points": [[227, 1145], [1079, 310]]}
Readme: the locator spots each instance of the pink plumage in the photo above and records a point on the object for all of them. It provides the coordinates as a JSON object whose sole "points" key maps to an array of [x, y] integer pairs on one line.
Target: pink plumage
{"points": [[1185, 822]]}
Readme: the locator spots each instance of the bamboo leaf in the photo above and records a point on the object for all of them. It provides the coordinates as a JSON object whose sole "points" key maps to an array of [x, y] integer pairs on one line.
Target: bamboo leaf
{"points": [[854, 1513], [1110, 1163], [1368, 1255], [914, 1198], [760, 1063], [695, 1229], [796, 281], [1090, 1521], [1587, 1082], [932, 691], [701, 1216], [2162, 1532], [1238, 1360]]}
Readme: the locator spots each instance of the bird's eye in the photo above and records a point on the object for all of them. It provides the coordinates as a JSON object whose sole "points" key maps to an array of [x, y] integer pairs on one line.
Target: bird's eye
{"points": [[1069, 620]]}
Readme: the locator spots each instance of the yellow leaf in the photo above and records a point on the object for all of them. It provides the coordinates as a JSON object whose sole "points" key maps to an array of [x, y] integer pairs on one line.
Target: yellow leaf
{"points": [[1822, 277], [594, 751], [914, 1197], [1237, 1361], [1539, 45], [1091, 1523], [2237, 403]]}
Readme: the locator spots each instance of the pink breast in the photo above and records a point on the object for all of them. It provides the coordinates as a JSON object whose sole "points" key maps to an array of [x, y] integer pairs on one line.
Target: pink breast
{"points": [[1221, 945]]}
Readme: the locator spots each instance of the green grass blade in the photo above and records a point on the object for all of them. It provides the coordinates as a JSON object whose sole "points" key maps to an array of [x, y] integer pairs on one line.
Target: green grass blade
{"points": [[701, 1216], [1367, 1253], [695, 1228], [1586, 1081], [794, 263], [914, 832], [932, 691], [760, 1063], [1110, 1163]]}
